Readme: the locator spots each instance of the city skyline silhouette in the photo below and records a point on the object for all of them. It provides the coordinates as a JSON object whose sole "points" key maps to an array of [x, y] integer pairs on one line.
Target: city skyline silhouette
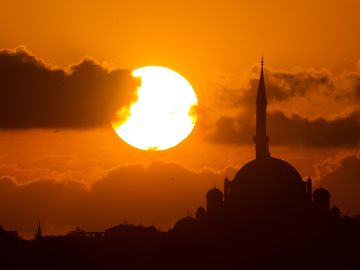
{"points": [[179, 134]]}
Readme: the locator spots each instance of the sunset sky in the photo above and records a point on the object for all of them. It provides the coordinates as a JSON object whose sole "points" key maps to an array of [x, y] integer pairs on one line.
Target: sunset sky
{"points": [[65, 64]]}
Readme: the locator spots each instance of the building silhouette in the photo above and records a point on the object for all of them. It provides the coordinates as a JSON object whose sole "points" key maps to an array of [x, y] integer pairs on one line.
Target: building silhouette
{"points": [[267, 194], [38, 233], [321, 201]]}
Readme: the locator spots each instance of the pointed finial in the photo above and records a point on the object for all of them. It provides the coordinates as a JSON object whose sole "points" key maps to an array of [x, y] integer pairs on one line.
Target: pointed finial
{"points": [[262, 61]]}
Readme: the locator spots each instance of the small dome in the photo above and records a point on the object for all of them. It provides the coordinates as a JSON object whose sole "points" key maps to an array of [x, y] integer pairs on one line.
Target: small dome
{"points": [[335, 211], [321, 192], [200, 213], [186, 224], [214, 193]]}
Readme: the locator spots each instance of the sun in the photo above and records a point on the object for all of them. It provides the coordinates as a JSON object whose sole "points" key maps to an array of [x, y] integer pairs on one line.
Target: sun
{"points": [[164, 114]]}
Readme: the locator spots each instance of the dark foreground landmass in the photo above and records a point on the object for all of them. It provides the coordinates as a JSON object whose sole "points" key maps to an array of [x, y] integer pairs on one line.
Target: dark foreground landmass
{"points": [[330, 244]]}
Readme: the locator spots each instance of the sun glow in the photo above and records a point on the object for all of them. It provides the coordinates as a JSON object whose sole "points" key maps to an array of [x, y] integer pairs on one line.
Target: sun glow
{"points": [[164, 114]]}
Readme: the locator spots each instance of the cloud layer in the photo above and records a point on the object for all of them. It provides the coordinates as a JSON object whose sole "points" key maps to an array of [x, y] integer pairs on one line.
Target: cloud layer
{"points": [[343, 182], [296, 113], [160, 193], [291, 130], [34, 95]]}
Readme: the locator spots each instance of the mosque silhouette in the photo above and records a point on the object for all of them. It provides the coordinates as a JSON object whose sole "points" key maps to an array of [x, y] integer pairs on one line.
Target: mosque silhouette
{"points": [[266, 194]]}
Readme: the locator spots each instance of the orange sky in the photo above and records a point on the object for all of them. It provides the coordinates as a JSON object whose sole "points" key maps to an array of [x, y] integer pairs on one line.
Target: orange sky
{"points": [[312, 47], [190, 36]]}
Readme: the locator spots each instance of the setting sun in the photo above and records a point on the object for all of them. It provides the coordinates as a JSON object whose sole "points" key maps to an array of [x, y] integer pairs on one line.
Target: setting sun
{"points": [[164, 113]]}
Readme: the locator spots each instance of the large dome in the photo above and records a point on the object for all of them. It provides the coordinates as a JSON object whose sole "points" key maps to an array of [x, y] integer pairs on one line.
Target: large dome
{"points": [[262, 167], [267, 183]]}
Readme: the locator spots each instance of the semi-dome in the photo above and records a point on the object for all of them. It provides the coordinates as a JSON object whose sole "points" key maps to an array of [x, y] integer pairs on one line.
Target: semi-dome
{"points": [[185, 225]]}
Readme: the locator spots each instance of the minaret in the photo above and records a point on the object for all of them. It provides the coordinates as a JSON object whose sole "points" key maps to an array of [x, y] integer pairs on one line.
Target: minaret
{"points": [[261, 139], [38, 234]]}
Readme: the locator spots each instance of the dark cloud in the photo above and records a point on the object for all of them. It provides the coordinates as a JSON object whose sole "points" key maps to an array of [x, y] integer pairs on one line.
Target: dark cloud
{"points": [[291, 130], [343, 182], [232, 130], [159, 194], [298, 130], [281, 86], [34, 95], [357, 87], [319, 86]]}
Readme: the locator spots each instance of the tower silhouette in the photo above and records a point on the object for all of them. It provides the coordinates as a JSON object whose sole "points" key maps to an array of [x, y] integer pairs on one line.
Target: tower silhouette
{"points": [[267, 187], [261, 139], [38, 233], [214, 201], [322, 200]]}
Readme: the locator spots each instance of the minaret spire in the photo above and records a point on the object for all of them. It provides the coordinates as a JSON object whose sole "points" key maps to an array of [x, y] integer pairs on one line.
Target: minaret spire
{"points": [[38, 234], [261, 139]]}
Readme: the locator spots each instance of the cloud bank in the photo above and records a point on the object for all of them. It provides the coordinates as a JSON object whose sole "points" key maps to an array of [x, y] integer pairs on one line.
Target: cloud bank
{"points": [[343, 131], [343, 182], [35, 95], [297, 102], [160, 194]]}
